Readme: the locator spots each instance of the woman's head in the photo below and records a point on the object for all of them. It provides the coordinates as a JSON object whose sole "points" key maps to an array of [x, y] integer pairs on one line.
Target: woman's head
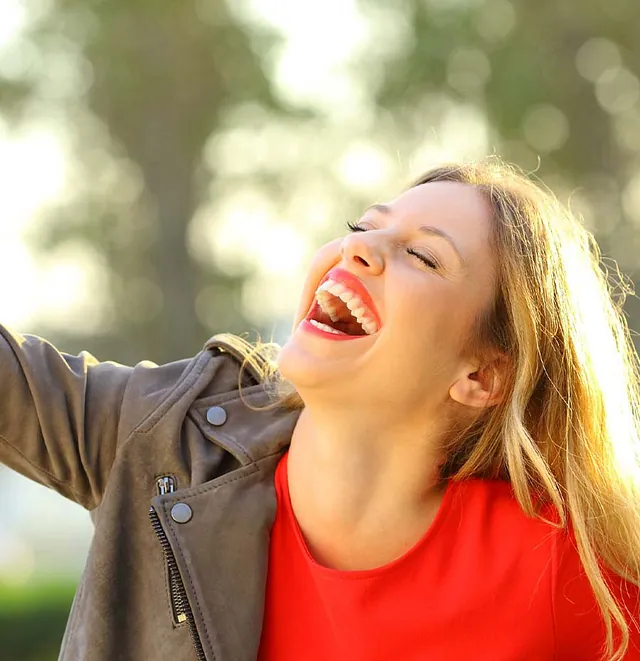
{"points": [[514, 340], [425, 274]]}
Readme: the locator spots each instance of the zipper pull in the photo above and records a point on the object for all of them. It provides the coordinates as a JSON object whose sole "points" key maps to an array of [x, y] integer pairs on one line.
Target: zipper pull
{"points": [[165, 484]]}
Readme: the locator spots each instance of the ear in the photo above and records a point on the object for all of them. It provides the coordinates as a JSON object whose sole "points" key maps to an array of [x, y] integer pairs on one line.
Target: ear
{"points": [[481, 386]]}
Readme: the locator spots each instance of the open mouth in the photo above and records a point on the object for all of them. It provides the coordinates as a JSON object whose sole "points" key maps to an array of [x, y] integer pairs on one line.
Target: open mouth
{"points": [[340, 310]]}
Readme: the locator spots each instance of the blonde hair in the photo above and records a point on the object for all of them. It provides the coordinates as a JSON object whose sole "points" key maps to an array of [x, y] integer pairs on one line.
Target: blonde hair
{"points": [[567, 431]]}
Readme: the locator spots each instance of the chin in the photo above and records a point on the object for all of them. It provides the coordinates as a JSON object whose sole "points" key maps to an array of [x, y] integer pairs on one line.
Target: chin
{"points": [[295, 364], [305, 368]]}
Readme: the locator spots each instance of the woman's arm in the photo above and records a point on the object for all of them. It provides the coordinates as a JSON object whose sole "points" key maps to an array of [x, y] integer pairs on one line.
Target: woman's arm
{"points": [[59, 415]]}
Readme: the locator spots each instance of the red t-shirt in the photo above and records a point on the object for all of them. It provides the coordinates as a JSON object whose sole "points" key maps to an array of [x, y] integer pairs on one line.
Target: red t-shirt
{"points": [[485, 583]]}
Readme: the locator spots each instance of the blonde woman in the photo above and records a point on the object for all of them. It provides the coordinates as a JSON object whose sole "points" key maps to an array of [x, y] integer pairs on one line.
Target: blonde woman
{"points": [[443, 465]]}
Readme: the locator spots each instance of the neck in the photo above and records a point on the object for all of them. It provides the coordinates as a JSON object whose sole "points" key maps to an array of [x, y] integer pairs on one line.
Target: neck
{"points": [[362, 486]]}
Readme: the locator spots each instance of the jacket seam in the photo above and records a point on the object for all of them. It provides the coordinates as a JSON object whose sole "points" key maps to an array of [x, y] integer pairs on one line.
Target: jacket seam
{"points": [[199, 420], [204, 624], [251, 469], [259, 389], [173, 396], [195, 594], [40, 470]]}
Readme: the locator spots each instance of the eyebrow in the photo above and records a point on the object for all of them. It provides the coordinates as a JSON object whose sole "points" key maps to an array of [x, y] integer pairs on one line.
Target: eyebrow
{"points": [[425, 229]]}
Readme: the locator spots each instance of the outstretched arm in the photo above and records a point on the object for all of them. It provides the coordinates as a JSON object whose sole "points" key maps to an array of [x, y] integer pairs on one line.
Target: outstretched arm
{"points": [[59, 415]]}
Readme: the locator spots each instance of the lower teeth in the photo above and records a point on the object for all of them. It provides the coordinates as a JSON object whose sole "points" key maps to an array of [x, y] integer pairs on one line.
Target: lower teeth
{"points": [[324, 327]]}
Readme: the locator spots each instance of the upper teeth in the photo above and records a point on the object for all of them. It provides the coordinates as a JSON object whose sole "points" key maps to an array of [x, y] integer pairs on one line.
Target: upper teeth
{"points": [[356, 305]]}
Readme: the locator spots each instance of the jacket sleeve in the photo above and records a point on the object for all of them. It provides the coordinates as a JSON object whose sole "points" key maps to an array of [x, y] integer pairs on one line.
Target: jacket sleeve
{"points": [[59, 415]]}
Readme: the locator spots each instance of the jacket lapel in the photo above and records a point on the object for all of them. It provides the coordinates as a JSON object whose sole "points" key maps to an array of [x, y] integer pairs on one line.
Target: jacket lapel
{"points": [[222, 554], [222, 551]]}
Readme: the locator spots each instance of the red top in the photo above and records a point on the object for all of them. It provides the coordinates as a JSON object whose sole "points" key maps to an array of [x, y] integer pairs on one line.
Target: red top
{"points": [[485, 582]]}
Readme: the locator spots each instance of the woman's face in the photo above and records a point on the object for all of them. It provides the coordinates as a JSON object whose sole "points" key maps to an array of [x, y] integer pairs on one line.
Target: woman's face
{"points": [[416, 274]]}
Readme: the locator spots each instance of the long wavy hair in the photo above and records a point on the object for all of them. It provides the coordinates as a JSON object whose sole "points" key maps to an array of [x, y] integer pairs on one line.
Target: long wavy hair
{"points": [[567, 431]]}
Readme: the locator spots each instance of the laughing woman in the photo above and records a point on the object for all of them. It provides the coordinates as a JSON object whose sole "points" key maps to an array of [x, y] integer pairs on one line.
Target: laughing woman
{"points": [[442, 463]]}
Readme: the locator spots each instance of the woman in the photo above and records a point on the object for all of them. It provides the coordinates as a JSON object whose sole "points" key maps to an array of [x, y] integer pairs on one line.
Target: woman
{"points": [[443, 465]]}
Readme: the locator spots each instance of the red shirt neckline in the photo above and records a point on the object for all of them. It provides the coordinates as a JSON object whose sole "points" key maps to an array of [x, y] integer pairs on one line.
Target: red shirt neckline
{"points": [[360, 574]]}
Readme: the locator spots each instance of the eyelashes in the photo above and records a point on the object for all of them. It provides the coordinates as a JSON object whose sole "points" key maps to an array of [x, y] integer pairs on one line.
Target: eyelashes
{"points": [[424, 259], [353, 227], [427, 261]]}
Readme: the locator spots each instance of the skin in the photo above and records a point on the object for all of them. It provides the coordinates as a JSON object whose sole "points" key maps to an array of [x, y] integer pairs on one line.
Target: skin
{"points": [[364, 452]]}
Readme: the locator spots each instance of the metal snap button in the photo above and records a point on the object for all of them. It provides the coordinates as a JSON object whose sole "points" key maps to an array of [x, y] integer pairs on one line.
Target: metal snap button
{"points": [[216, 416], [181, 513]]}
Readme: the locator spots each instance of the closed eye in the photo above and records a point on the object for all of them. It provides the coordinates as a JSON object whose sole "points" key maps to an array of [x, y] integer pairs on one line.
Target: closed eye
{"points": [[424, 259], [353, 227]]}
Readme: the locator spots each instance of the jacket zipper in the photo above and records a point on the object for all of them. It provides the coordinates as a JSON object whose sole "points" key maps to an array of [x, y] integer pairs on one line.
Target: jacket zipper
{"points": [[179, 601], [167, 484]]}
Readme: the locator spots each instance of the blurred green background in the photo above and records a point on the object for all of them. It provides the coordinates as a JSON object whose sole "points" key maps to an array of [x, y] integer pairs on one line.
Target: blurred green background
{"points": [[168, 167]]}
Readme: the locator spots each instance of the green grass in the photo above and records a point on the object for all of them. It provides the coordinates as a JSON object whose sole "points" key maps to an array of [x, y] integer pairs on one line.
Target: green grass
{"points": [[32, 620]]}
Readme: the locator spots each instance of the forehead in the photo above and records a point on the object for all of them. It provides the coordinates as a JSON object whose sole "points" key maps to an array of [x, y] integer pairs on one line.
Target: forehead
{"points": [[459, 209]]}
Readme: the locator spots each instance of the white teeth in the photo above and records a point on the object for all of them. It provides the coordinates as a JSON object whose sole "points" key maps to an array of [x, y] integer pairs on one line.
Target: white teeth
{"points": [[333, 287], [324, 299], [370, 327], [355, 304], [324, 327]]}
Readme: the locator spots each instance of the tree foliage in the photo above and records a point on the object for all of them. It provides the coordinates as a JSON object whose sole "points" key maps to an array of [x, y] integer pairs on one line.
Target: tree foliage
{"points": [[158, 77]]}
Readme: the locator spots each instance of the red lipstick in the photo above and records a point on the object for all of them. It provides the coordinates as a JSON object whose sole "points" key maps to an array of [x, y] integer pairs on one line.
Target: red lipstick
{"points": [[353, 284]]}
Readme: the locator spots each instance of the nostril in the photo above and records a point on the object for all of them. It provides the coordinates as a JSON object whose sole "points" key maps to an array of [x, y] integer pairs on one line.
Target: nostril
{"points": [[360, 260]]}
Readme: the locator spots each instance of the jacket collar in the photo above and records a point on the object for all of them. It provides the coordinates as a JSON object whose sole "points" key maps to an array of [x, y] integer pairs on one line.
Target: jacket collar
{"points": [[252, 430], [252, 427]]}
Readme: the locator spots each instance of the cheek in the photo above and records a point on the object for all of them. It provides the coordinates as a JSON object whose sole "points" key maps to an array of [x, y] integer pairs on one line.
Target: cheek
{"points": [[421, 302], [430, 316]]}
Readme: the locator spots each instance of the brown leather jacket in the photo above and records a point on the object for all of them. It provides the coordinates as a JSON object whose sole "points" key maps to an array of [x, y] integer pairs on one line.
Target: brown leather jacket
{"points": [[177, 472]]}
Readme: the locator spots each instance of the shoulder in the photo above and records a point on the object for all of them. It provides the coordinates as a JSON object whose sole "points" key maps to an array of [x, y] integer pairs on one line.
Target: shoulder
{"points": [[224, 366], [492, 504], [542, 558], [509, 547]]}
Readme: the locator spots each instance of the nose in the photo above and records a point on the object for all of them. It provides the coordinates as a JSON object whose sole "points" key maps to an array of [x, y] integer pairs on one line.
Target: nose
{"points": [[363, 253]]}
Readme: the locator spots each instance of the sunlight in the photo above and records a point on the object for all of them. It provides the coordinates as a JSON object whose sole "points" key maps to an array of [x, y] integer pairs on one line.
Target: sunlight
{"points": [[600, 354], [364, 166], [32, 175], [320, 38], [13, 18], [72, 284]]}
